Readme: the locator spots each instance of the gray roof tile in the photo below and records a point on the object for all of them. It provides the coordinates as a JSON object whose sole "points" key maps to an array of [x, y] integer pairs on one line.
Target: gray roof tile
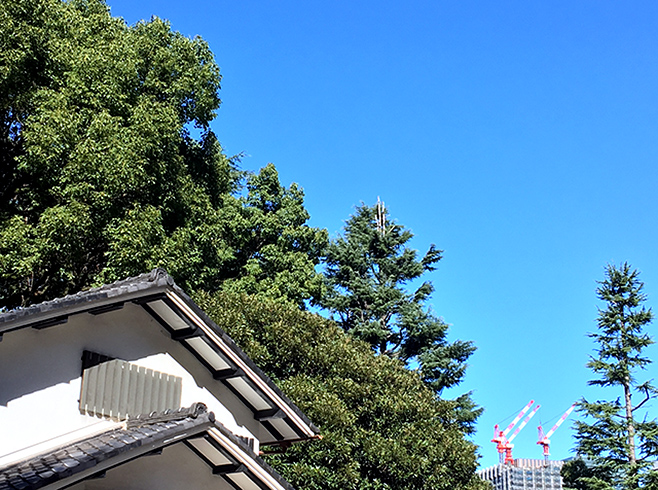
{"points": [[155, 278], [18, 483], [31, 477]]}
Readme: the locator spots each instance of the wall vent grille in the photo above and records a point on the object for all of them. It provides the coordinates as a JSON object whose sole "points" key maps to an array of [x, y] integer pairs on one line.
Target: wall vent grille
{"points": [[118, 389]]}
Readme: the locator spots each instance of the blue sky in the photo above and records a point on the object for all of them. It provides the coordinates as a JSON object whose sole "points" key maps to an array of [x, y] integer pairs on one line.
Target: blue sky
{"points": [[519, 137]]}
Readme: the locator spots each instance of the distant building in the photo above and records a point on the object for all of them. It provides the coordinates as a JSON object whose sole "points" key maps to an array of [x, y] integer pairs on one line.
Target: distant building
{"points": [[524, 474]]}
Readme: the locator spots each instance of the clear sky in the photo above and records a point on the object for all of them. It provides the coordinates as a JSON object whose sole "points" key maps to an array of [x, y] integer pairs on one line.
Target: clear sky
{"points": [[519, 137]]}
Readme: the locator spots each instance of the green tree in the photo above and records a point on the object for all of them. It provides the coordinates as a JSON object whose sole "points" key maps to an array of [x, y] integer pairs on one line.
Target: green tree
{"points": [[274, 251], [579, 474], [101, 178], [369, 270], [616, 436], [382, 427]]}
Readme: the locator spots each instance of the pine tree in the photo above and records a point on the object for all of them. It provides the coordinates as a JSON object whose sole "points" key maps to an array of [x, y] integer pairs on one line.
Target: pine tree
{"points": [[369, 271], [616, 437]]}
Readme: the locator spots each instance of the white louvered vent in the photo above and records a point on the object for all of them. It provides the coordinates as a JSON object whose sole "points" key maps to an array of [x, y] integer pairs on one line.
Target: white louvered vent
{"points": [[118, 389]]}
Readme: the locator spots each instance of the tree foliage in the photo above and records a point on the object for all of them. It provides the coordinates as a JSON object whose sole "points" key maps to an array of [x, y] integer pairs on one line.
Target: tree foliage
{"points": [[617, 438], [579, 474], [101, 178], [382, 427], [369, 271], [274, 251]]}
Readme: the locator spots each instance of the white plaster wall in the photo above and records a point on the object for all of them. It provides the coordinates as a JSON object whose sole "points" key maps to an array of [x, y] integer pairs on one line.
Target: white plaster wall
{"points": [[40, 375], [45, 419]]}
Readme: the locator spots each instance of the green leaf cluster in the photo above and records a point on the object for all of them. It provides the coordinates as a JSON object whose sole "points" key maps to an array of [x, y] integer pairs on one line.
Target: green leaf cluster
{"points": [[382, 427], [274, 251], [618, 440]]}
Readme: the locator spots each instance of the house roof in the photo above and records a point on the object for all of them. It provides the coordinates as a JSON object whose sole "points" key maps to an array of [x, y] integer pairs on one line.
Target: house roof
{"points": [[93, 456], [157, 293]]}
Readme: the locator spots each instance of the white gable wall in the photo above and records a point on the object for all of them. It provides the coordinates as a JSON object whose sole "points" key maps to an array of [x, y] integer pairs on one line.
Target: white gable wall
{"points": [[41, 375]]}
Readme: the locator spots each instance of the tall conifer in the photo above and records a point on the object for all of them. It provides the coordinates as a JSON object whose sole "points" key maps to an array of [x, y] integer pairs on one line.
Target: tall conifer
{"points": [[616, 437], [371, 273]]}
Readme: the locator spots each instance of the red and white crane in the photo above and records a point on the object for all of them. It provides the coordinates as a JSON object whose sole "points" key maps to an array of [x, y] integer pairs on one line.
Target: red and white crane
{"points": [[508, 445], [544, 439], [500, 436]]}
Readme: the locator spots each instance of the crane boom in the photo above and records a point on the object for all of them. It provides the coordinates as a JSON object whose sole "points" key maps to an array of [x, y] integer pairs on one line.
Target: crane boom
{"points": [[544, 438], [523, 424], [559, 422], [507, 444], [517, 418]]}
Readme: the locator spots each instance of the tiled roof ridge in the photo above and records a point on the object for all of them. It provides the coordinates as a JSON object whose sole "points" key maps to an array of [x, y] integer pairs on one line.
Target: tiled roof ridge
{"points": [[84, 455], [154, 278], [193, 411]]}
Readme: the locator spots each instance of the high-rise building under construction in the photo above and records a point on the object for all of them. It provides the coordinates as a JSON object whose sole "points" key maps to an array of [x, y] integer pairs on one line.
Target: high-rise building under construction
{"points": [[524, 474]]}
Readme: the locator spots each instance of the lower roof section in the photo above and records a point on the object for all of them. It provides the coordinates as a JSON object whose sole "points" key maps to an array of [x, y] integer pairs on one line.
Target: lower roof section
{"points": [[171, 442]]}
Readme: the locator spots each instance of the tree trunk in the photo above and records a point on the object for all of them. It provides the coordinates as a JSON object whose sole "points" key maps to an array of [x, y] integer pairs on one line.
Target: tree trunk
{"points": [[629, 424]]}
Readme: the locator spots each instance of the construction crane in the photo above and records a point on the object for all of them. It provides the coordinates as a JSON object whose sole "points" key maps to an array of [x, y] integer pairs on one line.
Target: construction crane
{"points": [[544, 439], [508, 444], [500, 436]]}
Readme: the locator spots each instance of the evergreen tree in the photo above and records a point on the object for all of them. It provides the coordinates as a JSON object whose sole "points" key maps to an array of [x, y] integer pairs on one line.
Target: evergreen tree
{"points": [[580, 473], [369, 270], [617, 438]]}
